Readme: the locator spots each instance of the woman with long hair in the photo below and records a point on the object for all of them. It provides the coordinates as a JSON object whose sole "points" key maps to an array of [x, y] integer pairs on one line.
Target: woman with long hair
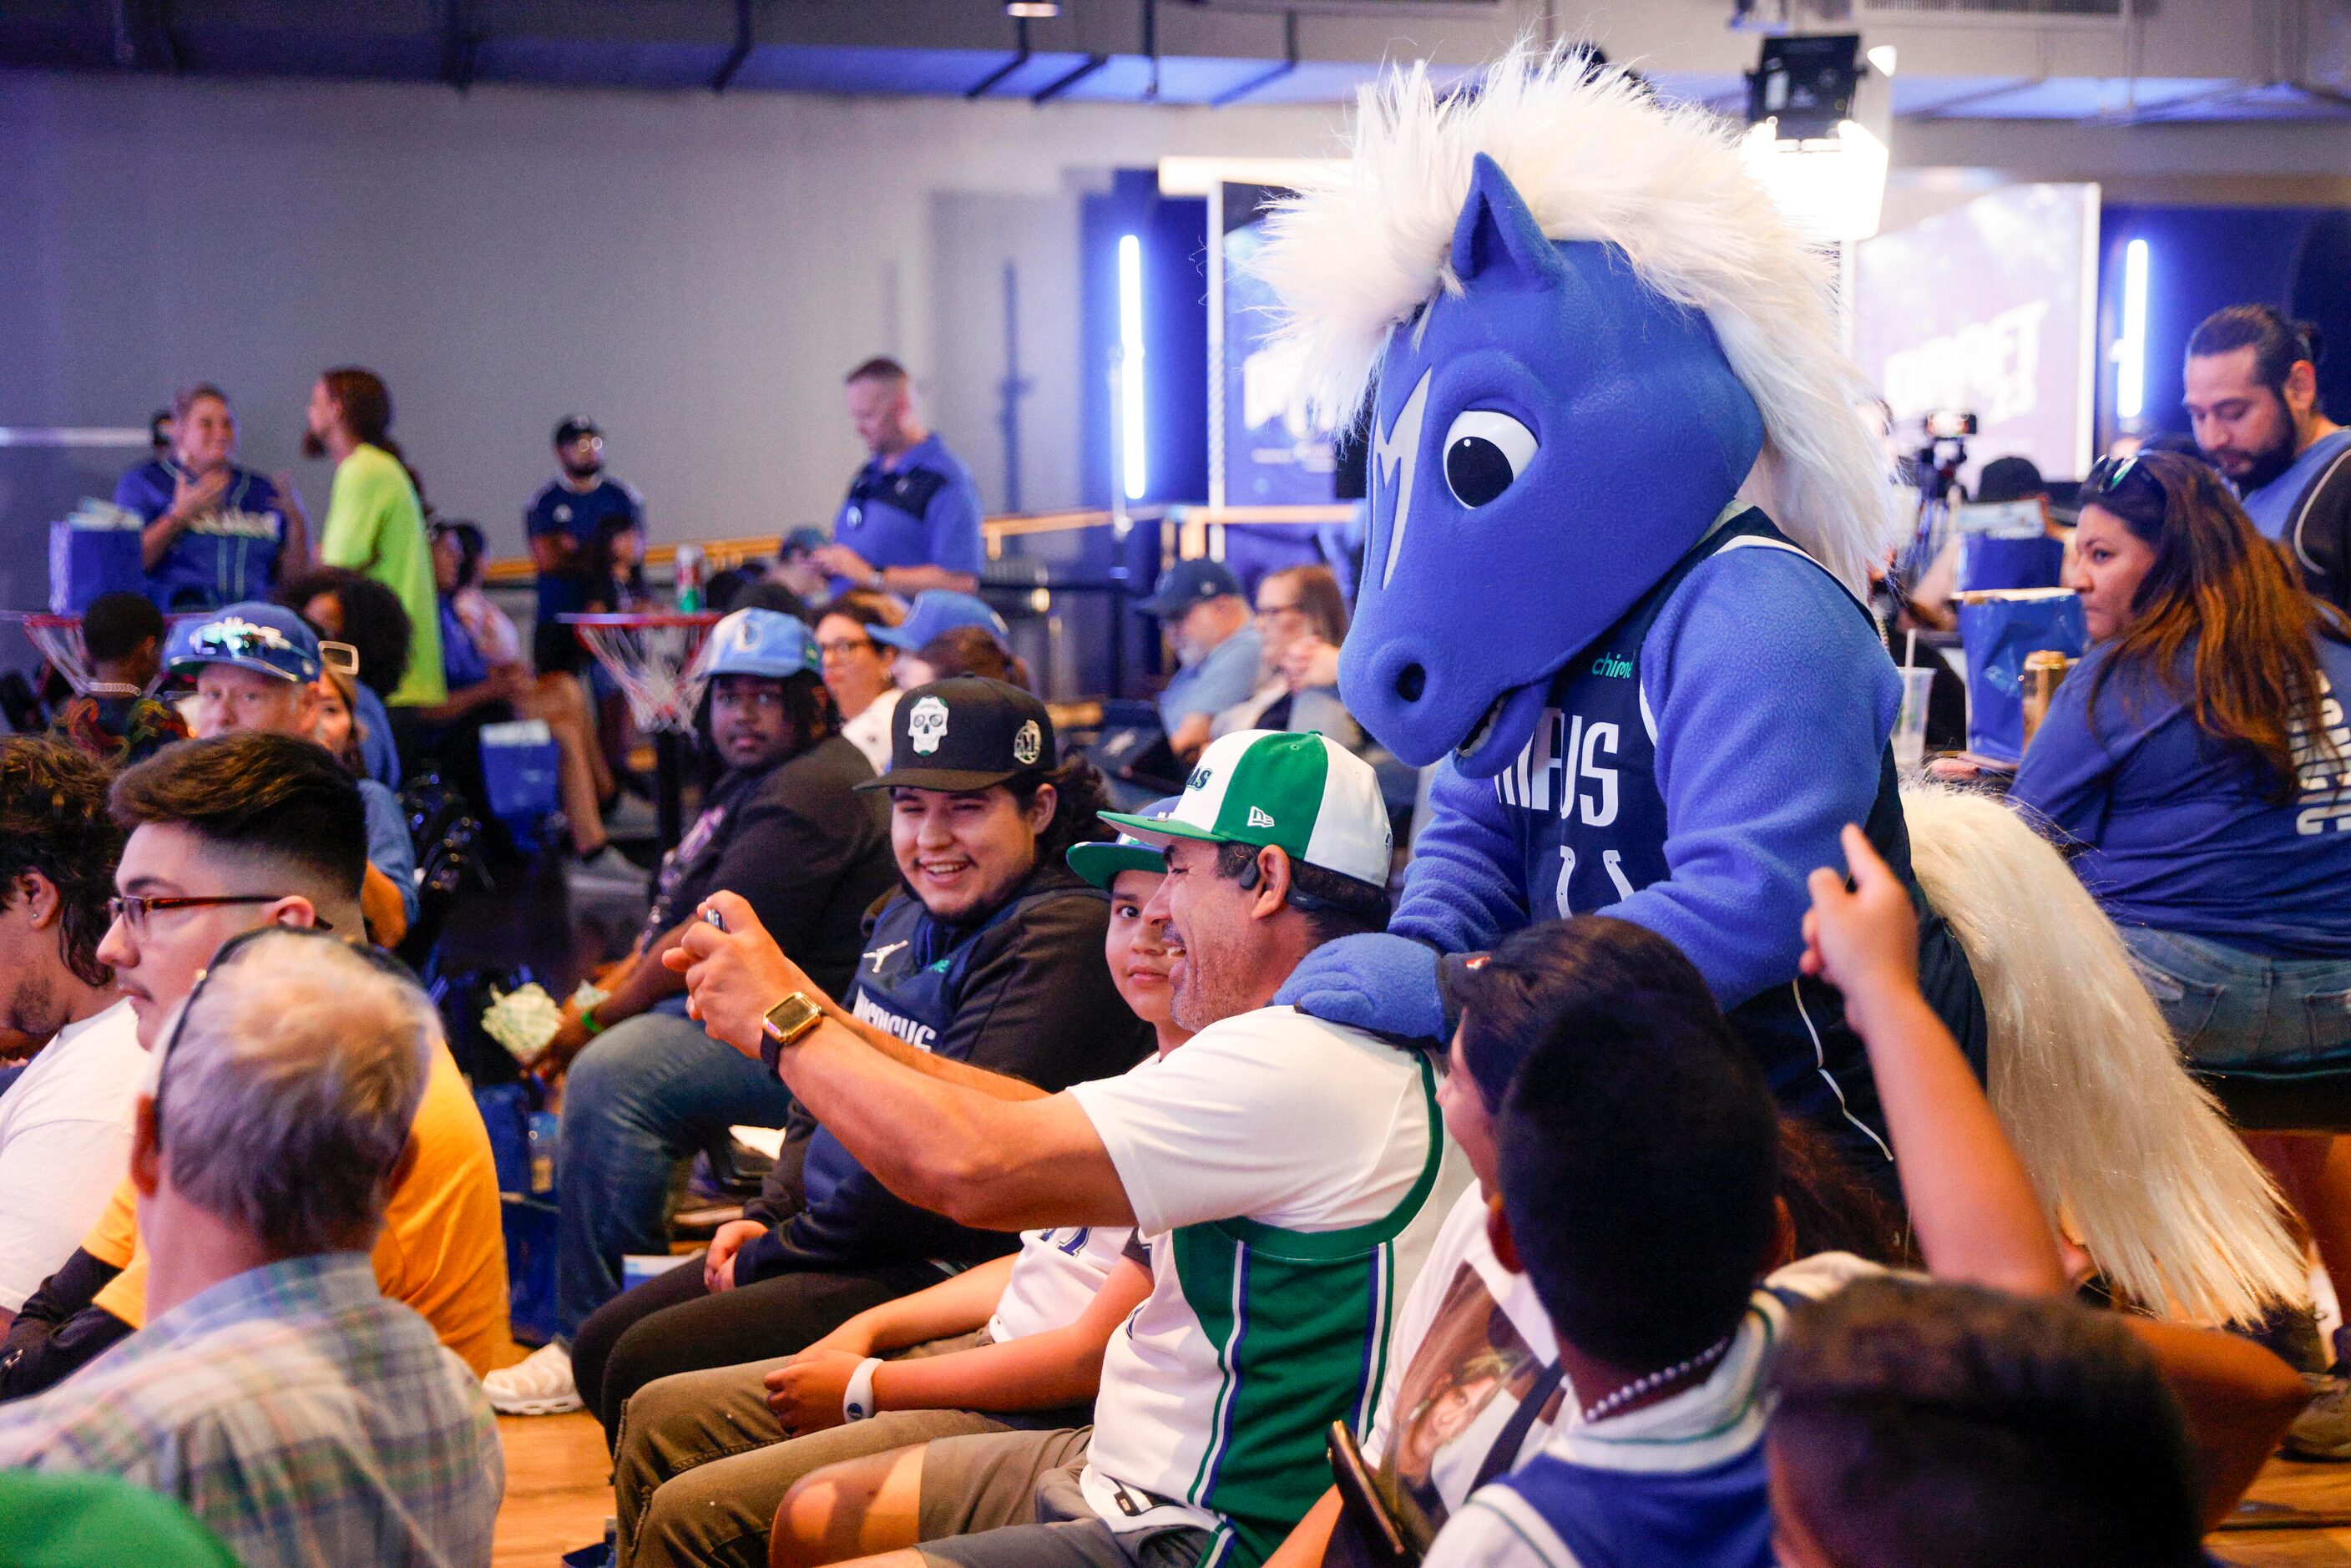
{"points": [[2200, 757], [1301, 619]]}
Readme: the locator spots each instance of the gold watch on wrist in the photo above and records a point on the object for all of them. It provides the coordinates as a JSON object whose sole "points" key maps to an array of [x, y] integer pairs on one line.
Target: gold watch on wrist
{"points": [[785, 1024]]}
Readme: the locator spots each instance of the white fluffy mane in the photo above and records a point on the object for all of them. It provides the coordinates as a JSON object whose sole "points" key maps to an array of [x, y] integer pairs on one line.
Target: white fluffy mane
{"points": [[1595, 157]]}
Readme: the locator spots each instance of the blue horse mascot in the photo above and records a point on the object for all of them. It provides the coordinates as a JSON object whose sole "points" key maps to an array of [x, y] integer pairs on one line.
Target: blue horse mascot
{"points": [[1624, 506]]}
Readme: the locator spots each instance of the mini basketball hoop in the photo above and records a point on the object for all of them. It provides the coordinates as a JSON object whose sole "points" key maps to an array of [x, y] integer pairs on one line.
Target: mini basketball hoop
{"points": [[651, 656], [59, 639]]}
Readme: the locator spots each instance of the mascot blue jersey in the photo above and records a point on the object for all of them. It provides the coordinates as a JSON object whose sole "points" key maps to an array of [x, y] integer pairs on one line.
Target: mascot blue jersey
{"points": [[1690, 766]]}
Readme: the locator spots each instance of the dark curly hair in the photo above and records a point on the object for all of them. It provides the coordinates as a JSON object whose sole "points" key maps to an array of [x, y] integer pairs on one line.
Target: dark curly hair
{"points": [[1078, 796], [374, 621], [53, 824]]}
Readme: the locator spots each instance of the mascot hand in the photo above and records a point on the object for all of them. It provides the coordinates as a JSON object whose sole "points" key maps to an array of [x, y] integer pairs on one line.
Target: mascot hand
{"points": [[1384, 984]]}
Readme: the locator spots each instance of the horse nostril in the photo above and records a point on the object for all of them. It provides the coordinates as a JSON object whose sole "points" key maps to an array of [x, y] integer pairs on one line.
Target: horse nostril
{"points": [[1411, 681]]}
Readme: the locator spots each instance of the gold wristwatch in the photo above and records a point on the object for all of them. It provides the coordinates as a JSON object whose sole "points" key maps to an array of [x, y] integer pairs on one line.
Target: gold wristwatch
{"points": [[784, 1025]]}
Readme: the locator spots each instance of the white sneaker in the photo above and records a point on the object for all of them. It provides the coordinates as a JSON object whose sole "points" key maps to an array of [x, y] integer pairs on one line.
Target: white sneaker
{"points": [[607, 865], [540, 1385]]}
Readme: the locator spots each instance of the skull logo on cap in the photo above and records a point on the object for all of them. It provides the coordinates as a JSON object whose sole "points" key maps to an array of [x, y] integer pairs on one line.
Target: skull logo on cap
{"points": [[926, 726]]}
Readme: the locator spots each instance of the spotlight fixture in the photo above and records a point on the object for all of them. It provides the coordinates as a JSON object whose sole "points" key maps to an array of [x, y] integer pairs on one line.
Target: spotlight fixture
{"points": [[1033, 10]]}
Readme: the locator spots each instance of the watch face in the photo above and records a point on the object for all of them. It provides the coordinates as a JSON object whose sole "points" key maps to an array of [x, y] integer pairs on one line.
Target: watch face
{"points": [[793, 1017]]}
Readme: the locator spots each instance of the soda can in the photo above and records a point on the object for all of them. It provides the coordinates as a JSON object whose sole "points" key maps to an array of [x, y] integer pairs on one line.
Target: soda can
{"points": [[687, 576]]}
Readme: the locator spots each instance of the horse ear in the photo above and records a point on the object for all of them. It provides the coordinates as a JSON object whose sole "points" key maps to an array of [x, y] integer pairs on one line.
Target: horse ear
{"points": [[1497, 233]]}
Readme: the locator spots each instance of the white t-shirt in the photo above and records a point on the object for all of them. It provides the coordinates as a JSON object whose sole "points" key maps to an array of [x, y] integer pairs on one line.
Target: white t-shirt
{"points": [[1292, 1174], [870, 730], [1055, 1277], [1474, 1344], [1716, 1421], [64, 1144]]}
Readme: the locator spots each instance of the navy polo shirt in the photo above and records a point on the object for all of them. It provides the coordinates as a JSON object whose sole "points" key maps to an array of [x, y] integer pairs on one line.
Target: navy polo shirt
{"points": [[577, 513], [922, 510]]}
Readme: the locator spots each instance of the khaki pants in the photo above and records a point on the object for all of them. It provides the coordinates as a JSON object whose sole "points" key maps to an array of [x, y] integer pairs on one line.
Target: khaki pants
{"points": [[700, 1468]]}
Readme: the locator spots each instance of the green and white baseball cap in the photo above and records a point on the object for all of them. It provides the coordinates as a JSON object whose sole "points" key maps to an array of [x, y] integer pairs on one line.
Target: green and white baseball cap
{"points": [[1319, 802]]}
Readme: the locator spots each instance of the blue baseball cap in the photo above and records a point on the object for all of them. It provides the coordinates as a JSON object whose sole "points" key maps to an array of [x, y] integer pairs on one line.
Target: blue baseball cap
{"points": [[938, 609], [1190, 583], [267, 639], [765, 642], [1100, 864]]}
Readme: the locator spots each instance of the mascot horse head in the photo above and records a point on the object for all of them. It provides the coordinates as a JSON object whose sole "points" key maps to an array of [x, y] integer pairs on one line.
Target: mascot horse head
{"points": [[1582, 328]]}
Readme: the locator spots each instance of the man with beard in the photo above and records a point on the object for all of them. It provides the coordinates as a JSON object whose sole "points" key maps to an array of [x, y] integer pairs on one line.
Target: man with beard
{"points": [[2252, 397], [565, 518], [1287, 1171], [65, 1125]]}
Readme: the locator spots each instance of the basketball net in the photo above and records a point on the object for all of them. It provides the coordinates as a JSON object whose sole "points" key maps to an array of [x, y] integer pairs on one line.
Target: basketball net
{"points": [[654, 666]]}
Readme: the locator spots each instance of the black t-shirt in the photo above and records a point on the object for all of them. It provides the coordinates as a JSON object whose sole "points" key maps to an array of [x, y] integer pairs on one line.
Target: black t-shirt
{"points": [[810, 853], [1033, 1000], [2320, 534]]}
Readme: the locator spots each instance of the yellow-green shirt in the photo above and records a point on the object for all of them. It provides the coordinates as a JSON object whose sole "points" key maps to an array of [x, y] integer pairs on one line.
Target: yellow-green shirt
{"points": [[376, 524]]}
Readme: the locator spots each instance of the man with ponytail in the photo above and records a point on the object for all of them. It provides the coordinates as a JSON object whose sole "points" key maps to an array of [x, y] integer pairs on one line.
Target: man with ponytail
{"points": [[375, 518], [2253, 395]]}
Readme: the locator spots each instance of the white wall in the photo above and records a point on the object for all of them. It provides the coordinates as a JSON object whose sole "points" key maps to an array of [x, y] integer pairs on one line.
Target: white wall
{"points": [[697, 272]]}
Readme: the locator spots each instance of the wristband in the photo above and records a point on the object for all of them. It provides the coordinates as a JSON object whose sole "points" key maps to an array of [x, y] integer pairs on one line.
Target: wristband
{"points": [[857, 1399], [588, 1019]]}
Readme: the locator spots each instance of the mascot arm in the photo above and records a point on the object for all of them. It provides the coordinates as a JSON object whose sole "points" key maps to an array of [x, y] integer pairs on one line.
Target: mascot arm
{"points": [[1461, 892], [1460, 895], [1773, 700]]}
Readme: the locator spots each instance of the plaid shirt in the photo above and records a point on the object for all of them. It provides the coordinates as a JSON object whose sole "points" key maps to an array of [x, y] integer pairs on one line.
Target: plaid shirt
{"points": [[293, 1409]]}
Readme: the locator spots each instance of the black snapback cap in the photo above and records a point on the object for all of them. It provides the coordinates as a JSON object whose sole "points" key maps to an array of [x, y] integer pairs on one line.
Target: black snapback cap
{"points": [[965, 732]]}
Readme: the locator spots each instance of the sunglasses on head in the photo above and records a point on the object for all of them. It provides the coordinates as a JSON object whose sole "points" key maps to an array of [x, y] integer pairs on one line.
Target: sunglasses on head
{"points": [[375, 956], [2109, 474]]}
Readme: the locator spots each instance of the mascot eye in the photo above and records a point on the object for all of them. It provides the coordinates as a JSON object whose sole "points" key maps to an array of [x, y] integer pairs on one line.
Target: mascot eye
{"points": [[1484, 452]]}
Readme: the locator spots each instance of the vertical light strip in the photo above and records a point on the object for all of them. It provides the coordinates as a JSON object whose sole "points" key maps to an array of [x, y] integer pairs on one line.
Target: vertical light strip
{"points": [[1132, 459], [2131, 349]]}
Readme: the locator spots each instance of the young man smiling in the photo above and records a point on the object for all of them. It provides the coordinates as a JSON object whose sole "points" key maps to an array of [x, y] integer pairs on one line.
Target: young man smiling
{"points": [[987, 963]]}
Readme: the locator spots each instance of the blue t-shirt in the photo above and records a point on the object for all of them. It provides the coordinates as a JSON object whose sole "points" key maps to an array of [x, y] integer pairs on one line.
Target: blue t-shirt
{"points": [[2181, 835], [1224, 677], [578, 514], [2271, 505], [461, 661], [226, 556], [378, 750], [920, 510], [389, 849]]}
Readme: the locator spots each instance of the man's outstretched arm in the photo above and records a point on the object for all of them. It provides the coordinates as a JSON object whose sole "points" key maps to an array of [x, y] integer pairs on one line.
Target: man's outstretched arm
{"points": [[982, 1149]]}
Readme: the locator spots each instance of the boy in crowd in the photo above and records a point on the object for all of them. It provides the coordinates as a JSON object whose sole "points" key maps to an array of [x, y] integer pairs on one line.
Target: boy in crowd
{"points": [[1637, 1149], [1289, 1171], [116, 721], [65, 1125], [227, 835], [257, 669], [276, 1394]]}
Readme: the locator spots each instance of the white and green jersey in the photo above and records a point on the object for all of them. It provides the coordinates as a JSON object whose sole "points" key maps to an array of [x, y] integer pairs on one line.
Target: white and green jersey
{"points": [[1291, 1175]]}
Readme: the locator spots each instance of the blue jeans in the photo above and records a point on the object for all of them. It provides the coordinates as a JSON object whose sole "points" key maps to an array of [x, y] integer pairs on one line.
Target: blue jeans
{"points": [[647, 1094], [2230, 1008]]}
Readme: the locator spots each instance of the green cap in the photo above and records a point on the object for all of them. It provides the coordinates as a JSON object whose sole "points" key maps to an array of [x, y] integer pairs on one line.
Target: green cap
{"points": [[1100, 864], [1318, 801]]}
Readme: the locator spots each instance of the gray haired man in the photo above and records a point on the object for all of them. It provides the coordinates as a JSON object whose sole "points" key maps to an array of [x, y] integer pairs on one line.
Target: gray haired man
{"points": [[275, 1392]]}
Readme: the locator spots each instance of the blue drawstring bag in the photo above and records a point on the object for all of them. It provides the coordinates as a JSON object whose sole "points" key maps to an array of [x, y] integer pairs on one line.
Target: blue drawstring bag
{"points": [[522, 1146], [1999, 629]]}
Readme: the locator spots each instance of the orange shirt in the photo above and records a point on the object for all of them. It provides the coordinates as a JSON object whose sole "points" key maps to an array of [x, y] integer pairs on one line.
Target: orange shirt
{"points": [[443, 1250]]}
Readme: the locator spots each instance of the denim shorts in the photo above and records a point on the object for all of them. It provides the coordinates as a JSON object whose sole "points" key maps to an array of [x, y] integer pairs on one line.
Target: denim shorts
{"points": [[2234, 1008]]}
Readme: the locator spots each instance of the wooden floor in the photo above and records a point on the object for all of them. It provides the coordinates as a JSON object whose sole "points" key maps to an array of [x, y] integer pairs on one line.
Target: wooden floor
{"points": [[559, 1488], [558, 1496]]}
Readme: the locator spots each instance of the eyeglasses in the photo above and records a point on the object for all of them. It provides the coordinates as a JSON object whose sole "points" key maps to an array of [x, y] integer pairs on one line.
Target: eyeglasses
{"points": [[133, 910], [1273, 611], [843, 648], [375, 956]]}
